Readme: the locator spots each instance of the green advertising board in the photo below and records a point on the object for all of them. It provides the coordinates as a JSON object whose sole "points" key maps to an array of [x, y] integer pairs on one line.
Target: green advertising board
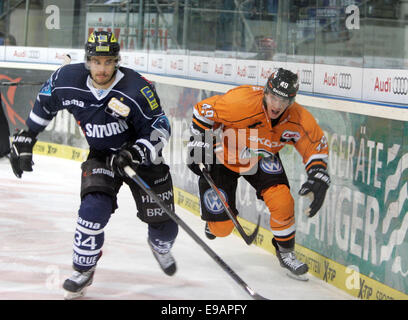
{"points": [[364, 220]]}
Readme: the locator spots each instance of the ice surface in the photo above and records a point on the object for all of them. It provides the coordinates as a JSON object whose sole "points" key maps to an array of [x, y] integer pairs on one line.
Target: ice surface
{"points": [[37, 223]]}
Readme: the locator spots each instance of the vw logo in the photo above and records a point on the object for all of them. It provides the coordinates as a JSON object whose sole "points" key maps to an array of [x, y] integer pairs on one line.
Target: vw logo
{"points": [[212, 202], [306, 77], [345, 81], [400, 85], [271, 165]]}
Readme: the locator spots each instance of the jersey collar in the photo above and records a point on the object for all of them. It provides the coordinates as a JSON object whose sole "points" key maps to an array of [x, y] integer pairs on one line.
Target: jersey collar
{"points": [[118, 76]]}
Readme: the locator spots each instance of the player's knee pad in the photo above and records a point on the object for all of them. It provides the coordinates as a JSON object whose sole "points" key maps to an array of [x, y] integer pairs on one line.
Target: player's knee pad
{"points": [[282, 213], [221, 228], [162, 235], [93, 215], [159, 180]]}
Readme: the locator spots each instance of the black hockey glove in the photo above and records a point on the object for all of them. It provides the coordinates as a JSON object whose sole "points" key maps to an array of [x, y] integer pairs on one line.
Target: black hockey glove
{"points": [[21, 153], [130, 155], [318, 181], [199, 152]]}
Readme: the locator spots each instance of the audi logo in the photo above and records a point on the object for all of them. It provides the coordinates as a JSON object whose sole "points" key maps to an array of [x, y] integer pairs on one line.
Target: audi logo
{"points": [[251, 72], [33, 54], [306, 77], [400, 85], [345, 81]]}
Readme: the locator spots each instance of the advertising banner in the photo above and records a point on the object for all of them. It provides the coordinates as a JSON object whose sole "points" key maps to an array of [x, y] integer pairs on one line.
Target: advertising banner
{"points": [[246, 72], [156, 63], [224, 70], [26, 54], [135, 60], [338, 80], [140, 61], [56, 55], [201, 67], [386, 85], [177, 65]]}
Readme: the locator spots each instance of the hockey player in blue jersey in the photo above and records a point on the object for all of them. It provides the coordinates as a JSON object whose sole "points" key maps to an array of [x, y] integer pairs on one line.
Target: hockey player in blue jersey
{"points": [[122, 120]]}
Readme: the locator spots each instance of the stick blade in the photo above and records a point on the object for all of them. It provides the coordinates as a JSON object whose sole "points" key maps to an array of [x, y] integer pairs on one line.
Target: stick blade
{"points": [[249, 239]]}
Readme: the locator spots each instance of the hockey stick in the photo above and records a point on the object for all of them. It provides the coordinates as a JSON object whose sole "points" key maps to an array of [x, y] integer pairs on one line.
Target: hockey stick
{"points": [[247, 238], [142, 184]]}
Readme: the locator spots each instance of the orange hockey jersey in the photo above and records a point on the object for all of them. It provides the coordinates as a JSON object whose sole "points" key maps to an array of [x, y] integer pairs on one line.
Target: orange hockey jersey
{"points": [[246, 133]]}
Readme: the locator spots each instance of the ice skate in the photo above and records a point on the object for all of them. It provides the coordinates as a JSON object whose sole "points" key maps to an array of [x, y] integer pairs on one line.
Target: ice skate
{"points": [[296, 269], [165, 260], [76, 285], [208, 232]]}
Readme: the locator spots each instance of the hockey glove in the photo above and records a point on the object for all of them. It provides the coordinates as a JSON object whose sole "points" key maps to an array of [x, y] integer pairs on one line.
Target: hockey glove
{"points": [[318, 181], [21, 154], [132, 156], [199, 152]]}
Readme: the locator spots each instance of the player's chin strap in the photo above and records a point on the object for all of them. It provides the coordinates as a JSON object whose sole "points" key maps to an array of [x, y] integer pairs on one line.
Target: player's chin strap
{"points": [[247, 238], [142, 184]]}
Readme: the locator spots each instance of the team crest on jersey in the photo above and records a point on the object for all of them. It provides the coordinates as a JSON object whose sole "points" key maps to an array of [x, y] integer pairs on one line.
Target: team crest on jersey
{"points": [[212, 203], [290, 136], [117, 109], [271, 165], [149, 95]]}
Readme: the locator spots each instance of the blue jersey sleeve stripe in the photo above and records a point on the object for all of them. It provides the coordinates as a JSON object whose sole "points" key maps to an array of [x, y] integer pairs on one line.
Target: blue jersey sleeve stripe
{"points": [[38, 120]]}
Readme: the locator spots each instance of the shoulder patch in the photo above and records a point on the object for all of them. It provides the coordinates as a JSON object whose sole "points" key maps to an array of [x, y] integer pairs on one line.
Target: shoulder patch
{"points": [[149, 95], [46, 88]]}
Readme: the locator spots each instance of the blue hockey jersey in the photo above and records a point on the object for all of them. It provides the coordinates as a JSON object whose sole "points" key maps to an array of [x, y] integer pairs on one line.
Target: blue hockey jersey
{"points": [[128, 111]]}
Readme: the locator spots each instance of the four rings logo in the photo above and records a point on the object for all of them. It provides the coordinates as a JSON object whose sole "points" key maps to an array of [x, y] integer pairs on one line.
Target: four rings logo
{"points": [[345, 81], [341, 80], [400, 85], [306, 77]]}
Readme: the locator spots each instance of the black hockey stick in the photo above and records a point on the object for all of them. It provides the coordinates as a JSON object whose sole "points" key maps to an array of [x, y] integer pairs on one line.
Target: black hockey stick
{"points": [[247, 238], [142, 184]]}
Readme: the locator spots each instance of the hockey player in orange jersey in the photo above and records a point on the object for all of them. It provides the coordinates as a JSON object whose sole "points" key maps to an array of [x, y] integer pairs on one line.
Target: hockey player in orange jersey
{"points": [[239, 134]]}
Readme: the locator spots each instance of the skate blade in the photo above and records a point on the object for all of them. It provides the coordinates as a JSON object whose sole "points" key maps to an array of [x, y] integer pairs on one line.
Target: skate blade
{"points": [[301, 277], [74, 295]]}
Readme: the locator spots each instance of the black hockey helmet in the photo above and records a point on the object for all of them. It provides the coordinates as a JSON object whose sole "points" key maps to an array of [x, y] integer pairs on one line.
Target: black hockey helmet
{"points": [[283, 83], [102, 43]]}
